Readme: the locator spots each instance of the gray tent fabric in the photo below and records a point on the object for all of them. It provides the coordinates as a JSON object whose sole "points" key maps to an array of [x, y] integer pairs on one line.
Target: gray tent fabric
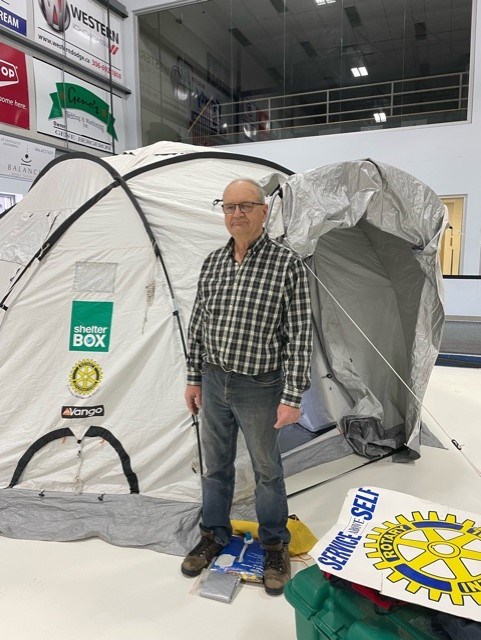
{"points": [[370, 236], [335, 446], [122, 520]]}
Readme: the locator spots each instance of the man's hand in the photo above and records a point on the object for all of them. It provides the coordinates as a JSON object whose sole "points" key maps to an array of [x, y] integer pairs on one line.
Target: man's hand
{"points": [[286, 415], [193, 398]]}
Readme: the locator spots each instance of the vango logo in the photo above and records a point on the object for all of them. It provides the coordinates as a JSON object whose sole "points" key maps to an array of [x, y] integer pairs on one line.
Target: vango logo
{"points": [[82, 412], [8, 74]]}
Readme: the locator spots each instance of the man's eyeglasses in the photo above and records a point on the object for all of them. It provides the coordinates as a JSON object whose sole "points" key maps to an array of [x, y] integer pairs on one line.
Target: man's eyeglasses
{"points": [[245, 207]]}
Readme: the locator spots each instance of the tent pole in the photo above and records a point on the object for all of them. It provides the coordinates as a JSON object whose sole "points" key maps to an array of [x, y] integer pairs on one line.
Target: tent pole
{"points": [[195, 423], [344, 473]]}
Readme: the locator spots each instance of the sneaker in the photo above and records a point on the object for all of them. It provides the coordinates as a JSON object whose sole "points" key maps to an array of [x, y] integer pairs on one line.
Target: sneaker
{"points": [[201, 555], [277, 568]]}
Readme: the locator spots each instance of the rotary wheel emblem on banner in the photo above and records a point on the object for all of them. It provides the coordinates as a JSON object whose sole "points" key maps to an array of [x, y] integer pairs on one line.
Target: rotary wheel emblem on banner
{"points": [[443, 556], [85, 377]]}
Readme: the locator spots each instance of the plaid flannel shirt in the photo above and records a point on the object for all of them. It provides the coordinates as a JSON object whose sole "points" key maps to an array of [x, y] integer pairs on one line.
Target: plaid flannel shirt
{"points": [[253, 317]]}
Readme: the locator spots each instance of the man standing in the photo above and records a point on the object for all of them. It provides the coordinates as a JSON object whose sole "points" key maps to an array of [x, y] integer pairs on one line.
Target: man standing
{"points": [[250, 346]]}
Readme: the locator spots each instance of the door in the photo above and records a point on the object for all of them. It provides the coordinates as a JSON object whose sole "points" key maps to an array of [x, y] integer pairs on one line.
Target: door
{"points": [[450, 254]]}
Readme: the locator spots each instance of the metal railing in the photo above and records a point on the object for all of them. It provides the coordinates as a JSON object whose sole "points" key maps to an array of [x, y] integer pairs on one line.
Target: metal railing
{"points": [[422, 100]]}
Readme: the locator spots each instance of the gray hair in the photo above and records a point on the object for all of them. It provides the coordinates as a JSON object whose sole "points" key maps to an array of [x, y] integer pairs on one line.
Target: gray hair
{"points": [[260, 191]]}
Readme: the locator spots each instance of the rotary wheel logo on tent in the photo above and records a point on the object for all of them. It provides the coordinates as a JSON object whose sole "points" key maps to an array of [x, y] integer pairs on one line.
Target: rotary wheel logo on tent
{"points": [[442, 556], [85, 377]]}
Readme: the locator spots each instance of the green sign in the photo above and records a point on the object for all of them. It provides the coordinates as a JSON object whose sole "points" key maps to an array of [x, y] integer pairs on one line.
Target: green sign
{"points": [[73, 96], [90, 326]]}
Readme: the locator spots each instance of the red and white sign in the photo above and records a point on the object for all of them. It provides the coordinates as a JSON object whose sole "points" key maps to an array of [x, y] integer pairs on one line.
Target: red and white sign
{"points": [[14, 107]]}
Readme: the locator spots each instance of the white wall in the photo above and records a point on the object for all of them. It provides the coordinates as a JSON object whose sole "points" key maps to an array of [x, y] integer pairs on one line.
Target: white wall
{"points": [[9, 185]]}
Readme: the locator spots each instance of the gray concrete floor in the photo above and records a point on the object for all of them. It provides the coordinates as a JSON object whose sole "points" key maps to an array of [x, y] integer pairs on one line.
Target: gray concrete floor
{"points": [[91, 590]]}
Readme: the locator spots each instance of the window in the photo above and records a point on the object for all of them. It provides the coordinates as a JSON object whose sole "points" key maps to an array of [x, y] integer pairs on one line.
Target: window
{"points": [[450, 252], [227, 71]]}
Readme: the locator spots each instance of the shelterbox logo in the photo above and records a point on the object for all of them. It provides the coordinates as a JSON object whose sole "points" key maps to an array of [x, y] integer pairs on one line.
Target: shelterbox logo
{"points": [[90, 325]]}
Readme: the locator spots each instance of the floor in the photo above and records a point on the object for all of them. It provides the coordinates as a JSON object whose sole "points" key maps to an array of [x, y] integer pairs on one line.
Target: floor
{"points": [[91, 590]]}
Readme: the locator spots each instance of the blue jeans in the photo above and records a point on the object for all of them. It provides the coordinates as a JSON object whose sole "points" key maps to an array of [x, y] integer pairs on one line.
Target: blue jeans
{"points": [[231, 401]]}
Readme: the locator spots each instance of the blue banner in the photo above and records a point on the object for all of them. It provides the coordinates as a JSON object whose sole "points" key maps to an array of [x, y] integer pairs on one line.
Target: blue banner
{"points": [[13, 22]]}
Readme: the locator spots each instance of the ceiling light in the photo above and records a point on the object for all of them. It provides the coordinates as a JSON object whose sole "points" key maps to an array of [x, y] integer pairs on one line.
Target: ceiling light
{"points": [[380, 117], [359, 71], [321, 2]]}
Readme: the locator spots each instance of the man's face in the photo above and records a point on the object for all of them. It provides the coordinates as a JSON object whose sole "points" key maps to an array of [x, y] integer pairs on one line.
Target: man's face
{"points": [[244, 226]]}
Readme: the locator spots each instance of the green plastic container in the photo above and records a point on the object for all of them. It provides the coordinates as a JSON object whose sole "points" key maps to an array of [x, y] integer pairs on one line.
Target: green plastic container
{"points": [[325, 611]]}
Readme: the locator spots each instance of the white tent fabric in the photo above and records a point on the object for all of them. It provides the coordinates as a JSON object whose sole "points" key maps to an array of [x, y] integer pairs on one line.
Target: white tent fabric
{"points": [[98, 271]]}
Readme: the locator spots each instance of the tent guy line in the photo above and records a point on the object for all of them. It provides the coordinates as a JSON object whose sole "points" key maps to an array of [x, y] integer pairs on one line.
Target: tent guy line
{"points": [[464, 235]]}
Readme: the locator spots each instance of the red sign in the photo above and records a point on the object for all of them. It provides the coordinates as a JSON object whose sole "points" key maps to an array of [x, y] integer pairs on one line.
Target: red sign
{"points": [[14, 107]]}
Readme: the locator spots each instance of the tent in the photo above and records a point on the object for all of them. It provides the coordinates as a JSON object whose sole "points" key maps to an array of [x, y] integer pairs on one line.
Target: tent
{"points": [[98, 271]]}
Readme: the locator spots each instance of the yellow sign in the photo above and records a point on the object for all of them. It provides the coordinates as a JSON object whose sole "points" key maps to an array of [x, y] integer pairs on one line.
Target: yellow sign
{"points": [[433, 553]]}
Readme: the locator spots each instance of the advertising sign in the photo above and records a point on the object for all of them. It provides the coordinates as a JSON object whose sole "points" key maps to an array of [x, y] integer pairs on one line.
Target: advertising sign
{"points": [[83, 31], [13, 15], [70, 108], [14, 107], [23, 160], [408, 549]]}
